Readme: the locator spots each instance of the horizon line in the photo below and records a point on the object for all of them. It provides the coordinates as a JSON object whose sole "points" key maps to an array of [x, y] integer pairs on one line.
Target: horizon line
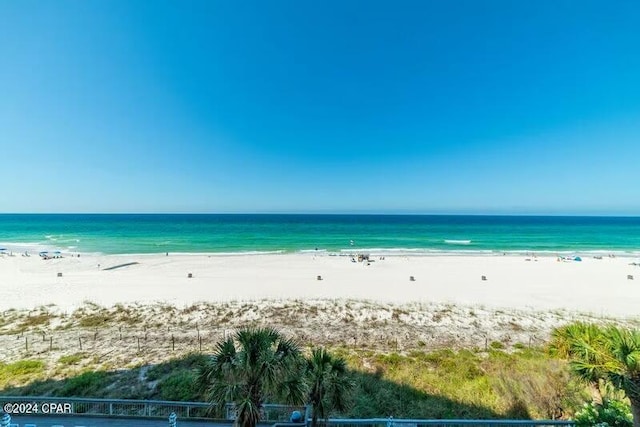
{"points": [[338, 213]]}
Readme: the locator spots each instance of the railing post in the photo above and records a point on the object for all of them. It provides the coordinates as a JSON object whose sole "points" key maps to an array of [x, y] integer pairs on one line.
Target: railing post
{"points": [[307, 415], [188, 411], [6, 420], [110, 408]]}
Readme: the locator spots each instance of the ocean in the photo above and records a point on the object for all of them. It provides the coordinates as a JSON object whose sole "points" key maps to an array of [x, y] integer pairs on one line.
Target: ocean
{"points": [[335, 234]]}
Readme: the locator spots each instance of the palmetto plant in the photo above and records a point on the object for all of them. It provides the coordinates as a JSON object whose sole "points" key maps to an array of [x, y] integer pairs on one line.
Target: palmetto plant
{"points": [[329, 384], [252, 365], [609, 354]]}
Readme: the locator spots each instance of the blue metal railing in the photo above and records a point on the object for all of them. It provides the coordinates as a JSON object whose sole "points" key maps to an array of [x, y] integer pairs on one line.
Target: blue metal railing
{"points": [[147, 408], [279, 415], [391, 422]]}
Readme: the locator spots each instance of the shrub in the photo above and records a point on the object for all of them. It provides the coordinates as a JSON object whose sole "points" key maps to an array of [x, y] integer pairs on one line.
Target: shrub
{"points": [[178, 386], [87, 384], [611, 413]]}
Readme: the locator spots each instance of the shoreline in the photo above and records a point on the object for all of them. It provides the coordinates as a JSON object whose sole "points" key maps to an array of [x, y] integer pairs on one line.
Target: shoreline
{"points": [[599, 286], [19, 248]]}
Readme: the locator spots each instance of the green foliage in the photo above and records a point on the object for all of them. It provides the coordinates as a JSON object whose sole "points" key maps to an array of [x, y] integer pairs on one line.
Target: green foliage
{"points": [[22, 367], [603, 354], [189, 362], [71, 359], [20, 371], [449, 384], [442, 384], [329, 384], [611, 413], [253, 365], [178, 386], [86, 384]]}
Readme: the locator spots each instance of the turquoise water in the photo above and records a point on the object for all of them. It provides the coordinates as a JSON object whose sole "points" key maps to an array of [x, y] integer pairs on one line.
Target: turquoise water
{"points": [[118, 234]]}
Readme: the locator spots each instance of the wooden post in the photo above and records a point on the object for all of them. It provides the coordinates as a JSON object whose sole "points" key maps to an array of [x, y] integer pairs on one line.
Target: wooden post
{"points": [[44, 337], [120, 329], [26, 344], [50, 343], [138, 344], [486, 344], [80, 341], [200, 340], [173, 343]]}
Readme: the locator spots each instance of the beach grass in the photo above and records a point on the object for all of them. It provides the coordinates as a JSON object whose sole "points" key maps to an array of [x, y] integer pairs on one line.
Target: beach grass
{"points": [[439, 384], [403, 362]]}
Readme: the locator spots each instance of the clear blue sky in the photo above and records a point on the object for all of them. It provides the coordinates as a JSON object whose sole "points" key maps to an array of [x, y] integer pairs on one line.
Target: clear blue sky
{"points": [[320, 106]]}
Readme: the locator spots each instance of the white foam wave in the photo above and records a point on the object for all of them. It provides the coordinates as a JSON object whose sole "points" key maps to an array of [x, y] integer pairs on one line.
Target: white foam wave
{"points": [[239, 253], [457, 242]]}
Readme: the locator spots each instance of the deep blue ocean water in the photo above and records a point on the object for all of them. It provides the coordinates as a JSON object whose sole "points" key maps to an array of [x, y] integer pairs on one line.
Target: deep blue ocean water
{"points": [[419, 234]]}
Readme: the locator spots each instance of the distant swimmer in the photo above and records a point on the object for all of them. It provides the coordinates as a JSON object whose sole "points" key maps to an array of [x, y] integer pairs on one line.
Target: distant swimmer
{"points": [[351, 242]]}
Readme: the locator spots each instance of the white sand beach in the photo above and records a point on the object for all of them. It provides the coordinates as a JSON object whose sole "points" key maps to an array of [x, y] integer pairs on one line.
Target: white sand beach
{"points": [[597, 286]]}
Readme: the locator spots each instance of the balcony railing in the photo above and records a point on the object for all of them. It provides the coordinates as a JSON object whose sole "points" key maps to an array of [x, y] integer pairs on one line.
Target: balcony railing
{"points": [[278, 415]]}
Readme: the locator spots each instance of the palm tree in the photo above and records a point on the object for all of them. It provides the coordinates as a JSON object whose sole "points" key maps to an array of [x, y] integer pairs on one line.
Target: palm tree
{"points": [[562, 343], [329, 384], [254, 364], [610, 354]]}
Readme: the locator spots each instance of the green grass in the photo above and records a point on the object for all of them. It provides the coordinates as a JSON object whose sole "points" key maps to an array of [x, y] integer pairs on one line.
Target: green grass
{"points": [[20, 372], [86, 384], [525, 383], [72, 359]]}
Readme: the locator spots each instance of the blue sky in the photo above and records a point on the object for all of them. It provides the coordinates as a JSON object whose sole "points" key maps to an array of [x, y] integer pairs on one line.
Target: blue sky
{"points": [[332, 106]]}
